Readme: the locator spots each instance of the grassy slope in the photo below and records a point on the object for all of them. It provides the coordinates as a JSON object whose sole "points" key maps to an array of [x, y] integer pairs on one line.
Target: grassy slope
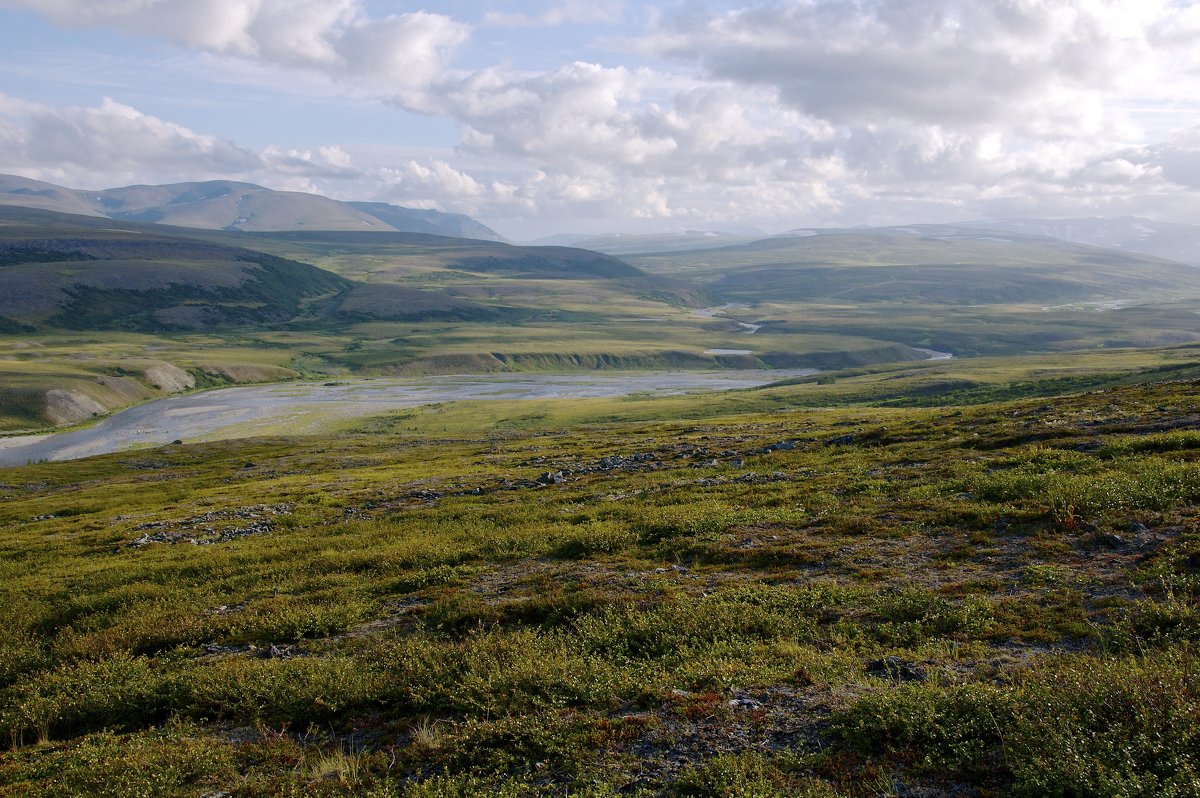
{"points": [[405, 612], [435, 305], [895, 266], [425, 304], [66, 272]]}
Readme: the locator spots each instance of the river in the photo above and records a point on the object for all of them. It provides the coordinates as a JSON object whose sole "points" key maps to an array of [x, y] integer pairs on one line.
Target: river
{"points": [[308, 407]]}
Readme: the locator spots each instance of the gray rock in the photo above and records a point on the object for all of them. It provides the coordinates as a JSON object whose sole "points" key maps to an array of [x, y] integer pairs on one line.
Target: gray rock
{"points": [[744, 703], [896, 669]]}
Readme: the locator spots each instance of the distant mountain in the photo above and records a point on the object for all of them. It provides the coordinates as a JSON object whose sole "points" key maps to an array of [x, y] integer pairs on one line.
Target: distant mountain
{"points": [[66, 272], [924, 263], [1179, 242], [228, 205], [415, 220], [629, 244]]}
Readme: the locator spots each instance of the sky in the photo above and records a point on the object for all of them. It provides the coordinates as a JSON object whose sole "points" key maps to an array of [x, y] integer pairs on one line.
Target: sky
{"points": [[593, 116]]}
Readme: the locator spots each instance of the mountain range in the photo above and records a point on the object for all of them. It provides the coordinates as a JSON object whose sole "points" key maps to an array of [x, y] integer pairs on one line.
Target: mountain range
{"points": [[229, 205]]}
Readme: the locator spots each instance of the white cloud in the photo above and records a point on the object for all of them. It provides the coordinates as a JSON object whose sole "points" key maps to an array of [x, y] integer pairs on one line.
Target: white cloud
{"points": [[570, 12], [111, 139], [953, 62], [336, 37], [780, 113]]}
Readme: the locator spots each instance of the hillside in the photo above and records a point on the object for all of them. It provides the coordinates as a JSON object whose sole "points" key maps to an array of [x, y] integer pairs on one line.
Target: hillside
{"points": [[56, 273], [1180, 242], [929, 264], [631, 244], [482, 257], [415, 220], [660, 598], [228, 205]]}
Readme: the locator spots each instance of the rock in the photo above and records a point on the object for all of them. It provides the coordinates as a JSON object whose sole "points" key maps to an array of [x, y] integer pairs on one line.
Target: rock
{"points": [[840, 440], [896, 669], [1138, 528], [744, 703], [177, 442], [1110, 540], [1002, 526], [785, 446], [551, 478]]}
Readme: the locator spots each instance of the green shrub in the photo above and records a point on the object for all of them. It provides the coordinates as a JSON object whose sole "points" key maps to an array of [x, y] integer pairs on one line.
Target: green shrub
{"points": [[945, 728], [120, 692], [278, 692], [691, 625], [1109, 727], [163, 764], [492, 673], [596, 538], [731, 776], [911, 616]]}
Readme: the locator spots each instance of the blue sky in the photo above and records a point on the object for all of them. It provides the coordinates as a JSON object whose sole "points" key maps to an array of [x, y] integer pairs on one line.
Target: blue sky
{"points": [[572, 116]]}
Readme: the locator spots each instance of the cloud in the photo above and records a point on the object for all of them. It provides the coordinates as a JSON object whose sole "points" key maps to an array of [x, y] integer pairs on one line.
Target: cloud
{"points": [[779, 113], [110, 139], [335, 37], [571, 12], [949, 62]]}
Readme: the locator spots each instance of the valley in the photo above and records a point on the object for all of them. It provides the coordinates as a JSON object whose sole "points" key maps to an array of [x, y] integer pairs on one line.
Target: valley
{"points": [[890, 511]]}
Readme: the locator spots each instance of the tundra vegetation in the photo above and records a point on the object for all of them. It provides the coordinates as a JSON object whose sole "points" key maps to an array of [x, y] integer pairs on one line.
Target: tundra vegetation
{"points": [[899, 576], [91, 308], [747, 596]]}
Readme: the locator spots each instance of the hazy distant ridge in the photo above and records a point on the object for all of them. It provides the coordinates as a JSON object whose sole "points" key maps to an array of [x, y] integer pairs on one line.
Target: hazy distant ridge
{"points": [[229, 205]]}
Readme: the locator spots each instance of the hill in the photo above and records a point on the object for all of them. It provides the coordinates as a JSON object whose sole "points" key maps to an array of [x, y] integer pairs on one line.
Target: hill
{"points": [[415, 220], [1179, 242], [660, 598], [67, 272], [469, 255], [229, 205], [924, 263], [629, 244]]}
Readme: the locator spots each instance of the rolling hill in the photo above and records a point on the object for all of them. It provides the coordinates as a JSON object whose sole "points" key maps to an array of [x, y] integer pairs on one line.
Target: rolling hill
{"points": [[935, 264], [228, 205], [1179, 242], [67, 272]]}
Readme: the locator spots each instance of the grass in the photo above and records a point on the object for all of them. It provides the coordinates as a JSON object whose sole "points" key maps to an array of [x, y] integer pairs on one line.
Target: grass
{"points": [[414, 615]]}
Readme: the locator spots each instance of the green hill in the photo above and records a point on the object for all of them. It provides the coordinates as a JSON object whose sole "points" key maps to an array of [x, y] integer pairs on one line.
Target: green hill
{"points": [[929, 264], [230, 205], [64, 272], [653, 597]]}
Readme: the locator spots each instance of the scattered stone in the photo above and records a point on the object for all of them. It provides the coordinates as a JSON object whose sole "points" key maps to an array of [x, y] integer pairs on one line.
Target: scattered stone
{"points": [[840, 440], [274, 651], [1110, 540], [551, 478], [226, 609], [896, 669], [744, 703], [206, 529]]}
